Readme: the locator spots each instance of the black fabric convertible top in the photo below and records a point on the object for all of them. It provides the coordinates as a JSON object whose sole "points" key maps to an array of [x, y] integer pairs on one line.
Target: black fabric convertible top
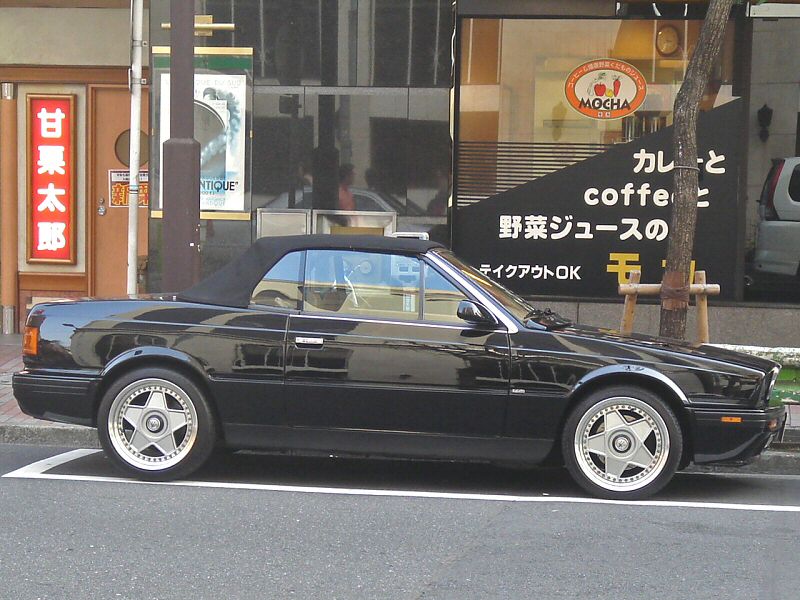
{"points": [[233, 284]]}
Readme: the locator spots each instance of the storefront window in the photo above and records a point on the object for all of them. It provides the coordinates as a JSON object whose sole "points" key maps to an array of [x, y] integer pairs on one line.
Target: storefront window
{"points": [[366, 149], [349, 109], [564, 147], [342, 42]]}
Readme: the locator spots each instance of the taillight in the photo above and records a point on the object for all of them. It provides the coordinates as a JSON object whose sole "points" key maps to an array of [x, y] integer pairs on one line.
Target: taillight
{"points": [[30, 341], [770, 214]]}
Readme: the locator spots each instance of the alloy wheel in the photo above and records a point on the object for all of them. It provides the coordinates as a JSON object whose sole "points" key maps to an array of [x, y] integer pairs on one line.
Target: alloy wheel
{"points": [[152, 424], [622, 444]]}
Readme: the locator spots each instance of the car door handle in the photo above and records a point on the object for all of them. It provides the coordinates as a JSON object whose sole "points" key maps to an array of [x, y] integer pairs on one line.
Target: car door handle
{"points": [[308, 342]]}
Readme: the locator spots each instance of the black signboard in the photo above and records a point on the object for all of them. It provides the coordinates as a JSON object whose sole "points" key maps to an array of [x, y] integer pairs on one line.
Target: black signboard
{"points": [[580, 230]]}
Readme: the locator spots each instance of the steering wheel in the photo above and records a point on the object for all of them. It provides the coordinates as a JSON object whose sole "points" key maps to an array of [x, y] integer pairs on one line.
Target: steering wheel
{"points": [[358, 301], [362, 267]]}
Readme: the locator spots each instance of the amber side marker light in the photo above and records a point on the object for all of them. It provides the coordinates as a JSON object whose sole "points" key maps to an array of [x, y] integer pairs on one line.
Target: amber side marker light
{"points": [[731, 419], [30, 341]]}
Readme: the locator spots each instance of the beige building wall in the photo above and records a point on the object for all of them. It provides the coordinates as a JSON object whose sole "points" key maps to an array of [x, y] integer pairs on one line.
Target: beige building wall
{"points": [[66, 36]]}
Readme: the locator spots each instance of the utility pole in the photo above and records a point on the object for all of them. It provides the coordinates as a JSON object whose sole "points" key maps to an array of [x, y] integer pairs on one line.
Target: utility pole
{"points": [[180, 247], [137, 16], [675, 284]]}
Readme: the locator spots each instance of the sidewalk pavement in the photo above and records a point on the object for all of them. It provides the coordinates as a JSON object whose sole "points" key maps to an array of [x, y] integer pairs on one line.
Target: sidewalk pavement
{"points": [[18, 428]]}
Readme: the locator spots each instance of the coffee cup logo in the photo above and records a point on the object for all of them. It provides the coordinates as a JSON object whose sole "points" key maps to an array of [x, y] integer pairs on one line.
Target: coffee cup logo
{"points": [[605, 89]]}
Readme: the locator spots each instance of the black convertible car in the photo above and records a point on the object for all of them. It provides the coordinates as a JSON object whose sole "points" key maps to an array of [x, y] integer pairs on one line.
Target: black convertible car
{"points": [[374, 346]]}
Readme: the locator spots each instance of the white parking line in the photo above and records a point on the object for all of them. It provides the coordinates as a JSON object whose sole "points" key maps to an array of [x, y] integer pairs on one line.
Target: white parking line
{"points": [[38, 470]]}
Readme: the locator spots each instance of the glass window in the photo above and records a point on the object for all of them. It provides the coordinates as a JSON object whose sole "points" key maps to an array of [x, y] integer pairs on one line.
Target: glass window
{"points": [[281, 285], [441, 298], [512, 100], [336, 42], [794, 185], [514, 304], [362, 283]]}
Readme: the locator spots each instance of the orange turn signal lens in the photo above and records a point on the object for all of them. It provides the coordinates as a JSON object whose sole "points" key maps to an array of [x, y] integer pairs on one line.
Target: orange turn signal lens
{"points": [[30, 341], [731, 419]]}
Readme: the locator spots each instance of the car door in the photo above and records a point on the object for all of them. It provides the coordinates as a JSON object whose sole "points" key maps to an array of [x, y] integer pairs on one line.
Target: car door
{"points": [[246, 352], [363, 353]]}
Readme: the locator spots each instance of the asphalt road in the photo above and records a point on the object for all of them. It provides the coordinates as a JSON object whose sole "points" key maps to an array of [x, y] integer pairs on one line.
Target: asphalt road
{"points": [[252, 526]]}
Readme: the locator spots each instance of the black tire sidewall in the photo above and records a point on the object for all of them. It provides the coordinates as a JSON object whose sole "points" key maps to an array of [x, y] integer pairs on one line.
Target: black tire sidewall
{"points": [[587, 405], [206, 427]]}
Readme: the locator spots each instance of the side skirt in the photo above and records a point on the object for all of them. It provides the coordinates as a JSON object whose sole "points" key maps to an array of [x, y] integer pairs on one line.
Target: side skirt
{"points": [[387, 444]]}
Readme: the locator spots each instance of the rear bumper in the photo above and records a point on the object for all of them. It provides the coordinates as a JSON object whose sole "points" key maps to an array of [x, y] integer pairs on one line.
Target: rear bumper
{"points": [[736, 442], [62, 398]]}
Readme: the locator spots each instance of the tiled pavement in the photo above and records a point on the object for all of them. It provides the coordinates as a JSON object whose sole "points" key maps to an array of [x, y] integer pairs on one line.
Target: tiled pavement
{"points": [[10, 361]]}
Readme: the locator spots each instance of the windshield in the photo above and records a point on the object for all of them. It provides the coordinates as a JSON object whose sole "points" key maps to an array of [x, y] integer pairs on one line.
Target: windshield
{"points": [[518, 307]]}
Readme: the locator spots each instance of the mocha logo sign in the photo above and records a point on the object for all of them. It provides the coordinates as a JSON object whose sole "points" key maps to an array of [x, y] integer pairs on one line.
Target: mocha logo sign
{"points": [[606, 89]]}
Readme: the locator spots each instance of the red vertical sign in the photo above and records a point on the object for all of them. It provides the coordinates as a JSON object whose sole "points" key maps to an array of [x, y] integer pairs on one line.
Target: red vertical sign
{"points": [[51, 179]]}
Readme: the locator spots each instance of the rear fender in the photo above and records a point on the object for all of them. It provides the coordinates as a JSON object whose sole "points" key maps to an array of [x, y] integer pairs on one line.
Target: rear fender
{"points": [[150, 355]]}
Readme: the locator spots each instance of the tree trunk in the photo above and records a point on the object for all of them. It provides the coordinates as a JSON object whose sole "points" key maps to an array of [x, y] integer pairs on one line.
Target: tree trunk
{"points": [[675, 284]]}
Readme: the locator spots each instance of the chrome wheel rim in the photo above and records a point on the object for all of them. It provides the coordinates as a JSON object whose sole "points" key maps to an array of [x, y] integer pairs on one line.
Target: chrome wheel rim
{"points": [[622, 444], [152, 424]]}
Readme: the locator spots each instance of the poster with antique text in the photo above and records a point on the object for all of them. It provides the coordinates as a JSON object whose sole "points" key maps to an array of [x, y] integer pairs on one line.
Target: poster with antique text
{"points": [[219, 127]]}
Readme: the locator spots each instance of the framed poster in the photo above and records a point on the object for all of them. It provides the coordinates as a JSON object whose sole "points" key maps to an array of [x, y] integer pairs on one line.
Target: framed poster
{"points": [[221, 91]]}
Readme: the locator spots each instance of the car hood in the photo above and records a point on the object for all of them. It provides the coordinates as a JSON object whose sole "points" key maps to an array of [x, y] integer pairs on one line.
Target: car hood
{"points": [[657, 349]]}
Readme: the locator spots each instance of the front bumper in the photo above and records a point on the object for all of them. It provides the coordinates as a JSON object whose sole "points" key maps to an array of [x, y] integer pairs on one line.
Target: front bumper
{"points": [[55, 397], [734, 436]]}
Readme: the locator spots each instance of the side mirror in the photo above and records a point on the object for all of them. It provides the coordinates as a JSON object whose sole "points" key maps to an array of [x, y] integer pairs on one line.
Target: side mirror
{"points": [[472, 312]]}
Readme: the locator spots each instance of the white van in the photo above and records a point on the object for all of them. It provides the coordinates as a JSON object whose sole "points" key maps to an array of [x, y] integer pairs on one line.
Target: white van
{"points": [[778, 241]]}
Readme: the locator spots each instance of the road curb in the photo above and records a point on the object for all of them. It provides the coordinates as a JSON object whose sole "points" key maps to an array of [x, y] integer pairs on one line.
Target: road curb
{"points": [[784, 459], [70, 436]]}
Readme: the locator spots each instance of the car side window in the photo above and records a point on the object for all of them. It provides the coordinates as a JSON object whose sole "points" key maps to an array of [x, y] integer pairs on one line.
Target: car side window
{"points": [[368, 284], [441, 298], [281, 286], [794, 185], [365, 203]]}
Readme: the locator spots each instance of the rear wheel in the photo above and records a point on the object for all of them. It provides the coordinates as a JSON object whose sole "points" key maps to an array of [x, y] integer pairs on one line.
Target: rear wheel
{"points": [[622, 443], [156, 424]]}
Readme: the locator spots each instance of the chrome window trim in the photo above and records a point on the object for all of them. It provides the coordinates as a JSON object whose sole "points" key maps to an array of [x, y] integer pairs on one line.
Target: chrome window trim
{"points": [[307, 315], [475, 290]]}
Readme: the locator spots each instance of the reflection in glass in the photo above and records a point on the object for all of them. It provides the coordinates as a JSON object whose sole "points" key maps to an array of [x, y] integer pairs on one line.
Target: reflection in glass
{"points": [[441, 298], [515, 124], [365, 149], [341, 42], [362, 283], [281, 285]]}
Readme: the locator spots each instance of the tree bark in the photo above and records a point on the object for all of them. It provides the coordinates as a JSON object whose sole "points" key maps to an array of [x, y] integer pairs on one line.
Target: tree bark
{"points": [[675, 284]]}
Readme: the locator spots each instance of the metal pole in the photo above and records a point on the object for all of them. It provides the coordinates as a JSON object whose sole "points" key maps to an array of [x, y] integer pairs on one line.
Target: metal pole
{"points": [[181, 168], [9, 225], [137, 16]]}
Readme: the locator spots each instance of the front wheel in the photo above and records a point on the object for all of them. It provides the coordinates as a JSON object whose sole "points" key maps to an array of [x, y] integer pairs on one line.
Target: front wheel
{"points": [[622, 443], [156, 424]]}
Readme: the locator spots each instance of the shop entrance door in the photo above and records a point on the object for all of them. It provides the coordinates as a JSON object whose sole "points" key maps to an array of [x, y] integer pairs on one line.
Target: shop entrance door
{"points": [[109, 110]]}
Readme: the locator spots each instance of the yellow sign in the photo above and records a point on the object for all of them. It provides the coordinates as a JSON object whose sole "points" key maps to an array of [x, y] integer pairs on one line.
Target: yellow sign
{"points": [[119, 190]]}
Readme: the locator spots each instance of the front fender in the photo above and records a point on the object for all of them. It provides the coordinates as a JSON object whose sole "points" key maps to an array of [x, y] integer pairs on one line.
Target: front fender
{"points": [[629, 373]]}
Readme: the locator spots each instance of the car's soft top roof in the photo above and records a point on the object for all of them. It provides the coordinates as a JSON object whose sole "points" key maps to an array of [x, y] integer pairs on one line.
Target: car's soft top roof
{"points": [[233, 284]]}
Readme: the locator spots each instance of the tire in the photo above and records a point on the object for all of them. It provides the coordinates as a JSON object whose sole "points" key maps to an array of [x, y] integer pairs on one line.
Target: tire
{"points": [[622, 443], [156, 424]]}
